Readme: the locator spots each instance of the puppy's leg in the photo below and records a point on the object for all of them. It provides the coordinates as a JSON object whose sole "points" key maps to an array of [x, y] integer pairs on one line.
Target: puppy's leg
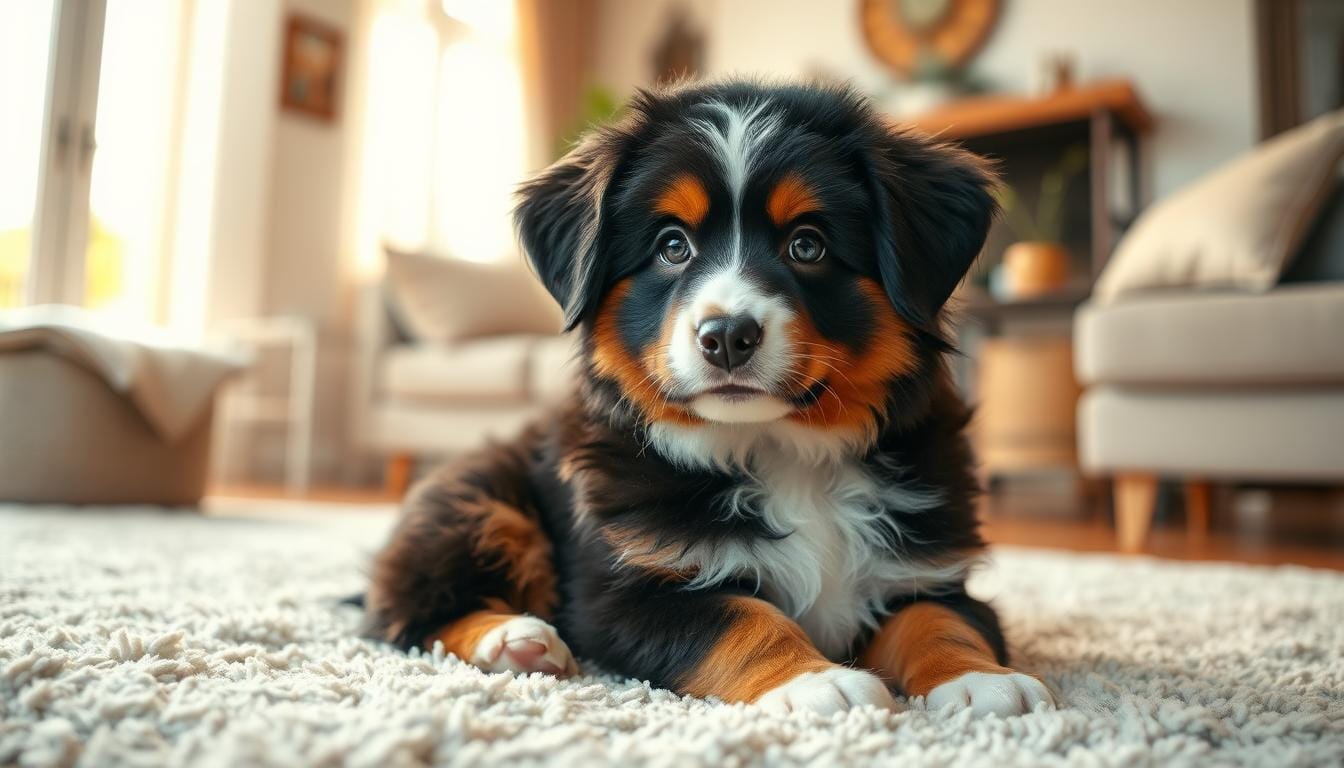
{"points": [[735, 647], [952, 652], [497, 639], [467, 561]]}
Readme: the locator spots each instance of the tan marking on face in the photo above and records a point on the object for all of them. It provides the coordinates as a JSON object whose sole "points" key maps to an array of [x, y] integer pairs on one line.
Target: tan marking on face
{"points": [[639, 379], [686, 199], [462, 636], [761, 650], [791, 198], [856, 382], [926, 645], [706, 311]]}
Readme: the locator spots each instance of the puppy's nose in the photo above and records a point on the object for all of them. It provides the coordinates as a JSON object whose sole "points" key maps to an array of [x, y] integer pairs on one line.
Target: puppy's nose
{"points": [[728, 342]]}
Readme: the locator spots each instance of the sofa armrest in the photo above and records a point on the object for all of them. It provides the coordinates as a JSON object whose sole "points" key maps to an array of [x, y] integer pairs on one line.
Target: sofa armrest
{"points": [[374, 334]]}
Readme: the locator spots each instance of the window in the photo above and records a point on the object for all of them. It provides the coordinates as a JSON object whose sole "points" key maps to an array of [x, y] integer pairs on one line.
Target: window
{"points": [[25, 47], [88, 91], [129, 179]]}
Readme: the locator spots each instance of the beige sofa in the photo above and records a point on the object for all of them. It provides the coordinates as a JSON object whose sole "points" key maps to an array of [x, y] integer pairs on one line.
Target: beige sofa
{"points": [[418, 398], [1216, 385], [1213, 348]]}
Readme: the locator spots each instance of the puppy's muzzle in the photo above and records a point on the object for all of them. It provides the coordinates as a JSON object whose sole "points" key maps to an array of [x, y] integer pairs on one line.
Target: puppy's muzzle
{"points": [[728, 342]]}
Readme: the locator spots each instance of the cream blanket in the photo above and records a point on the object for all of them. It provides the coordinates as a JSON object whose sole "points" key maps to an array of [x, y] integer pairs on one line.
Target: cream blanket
{"points": [[169, 382]]}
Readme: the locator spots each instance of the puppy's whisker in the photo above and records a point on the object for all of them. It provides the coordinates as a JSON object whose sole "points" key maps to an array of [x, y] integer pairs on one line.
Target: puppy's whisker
{"points": [[826, 388], [832, 368]]}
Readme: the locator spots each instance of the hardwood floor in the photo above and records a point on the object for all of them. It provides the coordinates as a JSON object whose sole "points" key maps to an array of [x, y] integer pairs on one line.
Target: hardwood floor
{"points": [[334, 494], [1282, 527], [1294, 534], [1172, 542]]}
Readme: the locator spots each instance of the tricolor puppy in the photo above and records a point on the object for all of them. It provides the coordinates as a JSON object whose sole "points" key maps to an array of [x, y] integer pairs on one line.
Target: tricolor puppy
{"points": [[762, 492]]}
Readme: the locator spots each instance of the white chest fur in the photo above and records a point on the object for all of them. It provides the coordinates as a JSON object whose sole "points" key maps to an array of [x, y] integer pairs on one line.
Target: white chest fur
{"points": [[834, 571]]}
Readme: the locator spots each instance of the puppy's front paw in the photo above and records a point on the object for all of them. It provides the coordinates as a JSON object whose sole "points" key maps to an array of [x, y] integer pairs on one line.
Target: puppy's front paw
{"points": [[524, 644], [833, 690], [1003, 694]]}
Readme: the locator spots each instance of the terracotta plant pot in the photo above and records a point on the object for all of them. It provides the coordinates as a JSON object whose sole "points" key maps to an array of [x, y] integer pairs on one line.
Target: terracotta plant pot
{"points": [[1035, 268]]}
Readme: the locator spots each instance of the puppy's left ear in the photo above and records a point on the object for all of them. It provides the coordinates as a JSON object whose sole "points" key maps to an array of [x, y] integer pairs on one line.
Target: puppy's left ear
{"points": [[559, 219], [935, 208]]}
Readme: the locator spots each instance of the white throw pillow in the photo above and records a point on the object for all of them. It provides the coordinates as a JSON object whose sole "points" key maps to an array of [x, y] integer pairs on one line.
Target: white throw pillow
{"points": [[1238, 226], [443, 300]]}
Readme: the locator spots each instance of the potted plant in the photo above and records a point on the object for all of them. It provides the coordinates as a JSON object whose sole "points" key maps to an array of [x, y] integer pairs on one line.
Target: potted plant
{"points": [[1038, 263]]}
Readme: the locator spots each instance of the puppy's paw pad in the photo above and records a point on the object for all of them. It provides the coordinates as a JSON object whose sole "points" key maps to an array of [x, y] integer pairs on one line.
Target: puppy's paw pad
{"points": [[833, 690], [524, 644], [1002, 694]]}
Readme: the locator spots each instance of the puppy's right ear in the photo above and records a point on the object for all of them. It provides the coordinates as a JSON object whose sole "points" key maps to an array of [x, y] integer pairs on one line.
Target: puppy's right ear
{"points": [[559, 219]]}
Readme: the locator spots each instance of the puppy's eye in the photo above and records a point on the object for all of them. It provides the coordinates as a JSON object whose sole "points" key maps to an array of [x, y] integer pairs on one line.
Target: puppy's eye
{"points": [[674, 248], [806, 247]]}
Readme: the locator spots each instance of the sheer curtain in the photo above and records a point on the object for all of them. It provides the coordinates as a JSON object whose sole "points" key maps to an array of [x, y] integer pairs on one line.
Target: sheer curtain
{"points": [[556, 40]]}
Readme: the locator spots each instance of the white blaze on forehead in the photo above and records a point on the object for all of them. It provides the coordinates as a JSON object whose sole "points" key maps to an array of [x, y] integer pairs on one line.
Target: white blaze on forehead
{"points": [[729, 292], [735, 137], [736, 144]]}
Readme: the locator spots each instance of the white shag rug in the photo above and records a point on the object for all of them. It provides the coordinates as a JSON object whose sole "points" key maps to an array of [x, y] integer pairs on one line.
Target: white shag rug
{"points": [[132, 637]]}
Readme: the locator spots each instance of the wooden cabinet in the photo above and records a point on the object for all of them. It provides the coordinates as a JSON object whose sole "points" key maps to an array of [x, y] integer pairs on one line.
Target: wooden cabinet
{"points": [[1028, 398]]}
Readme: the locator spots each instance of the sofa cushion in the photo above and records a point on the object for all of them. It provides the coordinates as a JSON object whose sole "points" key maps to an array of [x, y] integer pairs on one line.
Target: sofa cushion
{"points": [[1277, 435], [443, 300], [1291, 335], [483, 370], [1235, 227]]}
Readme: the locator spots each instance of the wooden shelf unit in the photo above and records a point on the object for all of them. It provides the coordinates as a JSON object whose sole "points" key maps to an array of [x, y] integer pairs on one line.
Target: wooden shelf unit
{"points": [[988, 115], [1100, 113]]}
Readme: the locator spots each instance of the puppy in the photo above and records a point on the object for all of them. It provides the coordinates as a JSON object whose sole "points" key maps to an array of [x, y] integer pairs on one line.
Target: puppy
{"points": [[762, 491]]}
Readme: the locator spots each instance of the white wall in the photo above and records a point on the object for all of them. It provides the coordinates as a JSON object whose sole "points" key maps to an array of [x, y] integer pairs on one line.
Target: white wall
{"points": [[305, 193], [219, 238], [1193, 61], [303, 271], [270, 187], [247, 122]]}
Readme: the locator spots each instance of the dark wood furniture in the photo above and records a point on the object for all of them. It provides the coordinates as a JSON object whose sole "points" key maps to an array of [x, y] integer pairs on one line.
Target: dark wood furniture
{"points": [[1102, 114]]}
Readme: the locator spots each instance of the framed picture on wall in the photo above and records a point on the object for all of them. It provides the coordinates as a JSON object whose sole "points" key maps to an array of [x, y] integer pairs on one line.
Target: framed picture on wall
{"points": [[310, 78]]}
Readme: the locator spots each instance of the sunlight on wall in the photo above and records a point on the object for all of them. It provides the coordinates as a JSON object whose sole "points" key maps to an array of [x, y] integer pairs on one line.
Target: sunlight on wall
{"points": [[481, 149], [399, 138], [445, 141], [403, 131], [493, 19], [196, 172]]}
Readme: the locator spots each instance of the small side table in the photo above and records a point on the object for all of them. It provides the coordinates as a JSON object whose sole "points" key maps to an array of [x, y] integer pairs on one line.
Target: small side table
{"points": [[248, 401]]}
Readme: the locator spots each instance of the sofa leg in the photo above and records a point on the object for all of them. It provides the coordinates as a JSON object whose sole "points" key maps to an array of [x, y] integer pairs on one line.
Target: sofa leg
{"points": [[1135, 498], [1197, 510], [397, 474]]}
